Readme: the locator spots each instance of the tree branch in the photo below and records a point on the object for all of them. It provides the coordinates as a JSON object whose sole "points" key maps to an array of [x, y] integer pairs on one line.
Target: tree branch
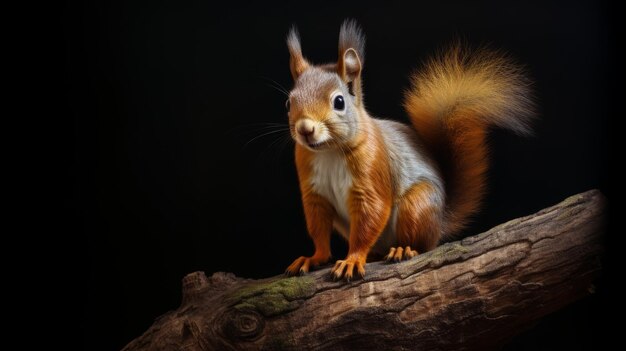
{"points": [[477, 292]]}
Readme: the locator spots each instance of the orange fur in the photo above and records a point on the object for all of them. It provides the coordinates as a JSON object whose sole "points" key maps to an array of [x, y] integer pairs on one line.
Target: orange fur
{"points": [[419, 218], [452, 103], [319, 215], [371, 196], [370, 200]]}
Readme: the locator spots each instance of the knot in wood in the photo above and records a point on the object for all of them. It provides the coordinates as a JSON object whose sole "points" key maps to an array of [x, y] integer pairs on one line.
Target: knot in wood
{"points": [[243, 325]]}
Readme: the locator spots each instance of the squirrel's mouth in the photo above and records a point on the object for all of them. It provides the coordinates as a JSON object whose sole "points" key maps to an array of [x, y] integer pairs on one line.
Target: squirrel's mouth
{"points": [[316, 145]]}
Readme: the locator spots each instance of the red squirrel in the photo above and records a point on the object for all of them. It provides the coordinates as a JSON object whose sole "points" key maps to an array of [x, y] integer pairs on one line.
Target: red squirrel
{"points": [[388, 188]]}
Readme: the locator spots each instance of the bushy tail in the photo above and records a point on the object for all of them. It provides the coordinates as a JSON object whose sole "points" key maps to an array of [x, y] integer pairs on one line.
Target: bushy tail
{"points": [[453, 101]]}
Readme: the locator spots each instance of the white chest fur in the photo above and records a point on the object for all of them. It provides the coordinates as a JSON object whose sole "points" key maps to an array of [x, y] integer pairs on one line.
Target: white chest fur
{"points": [[332, 179]]}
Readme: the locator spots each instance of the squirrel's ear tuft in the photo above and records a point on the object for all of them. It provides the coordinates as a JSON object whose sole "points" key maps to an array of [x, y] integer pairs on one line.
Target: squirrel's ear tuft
{"points": [[297, 63], [351, 51], [351, 37]]}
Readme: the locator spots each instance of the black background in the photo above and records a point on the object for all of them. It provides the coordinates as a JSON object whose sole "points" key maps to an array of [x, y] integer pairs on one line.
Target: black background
{"points": [[166, 97]]}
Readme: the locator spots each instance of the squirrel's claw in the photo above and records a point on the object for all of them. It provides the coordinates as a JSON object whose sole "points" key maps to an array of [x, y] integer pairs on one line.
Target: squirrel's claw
{"points": [[302, 265], [399, 254], [345, 268]]}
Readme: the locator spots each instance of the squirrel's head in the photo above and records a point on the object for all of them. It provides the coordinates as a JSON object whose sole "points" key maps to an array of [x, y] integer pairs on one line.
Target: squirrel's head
{"points": [[326, 103]]}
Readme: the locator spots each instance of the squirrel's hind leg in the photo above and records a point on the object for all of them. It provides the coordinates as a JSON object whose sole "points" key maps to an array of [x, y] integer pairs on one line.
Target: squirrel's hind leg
{"points": [[418, 229]]}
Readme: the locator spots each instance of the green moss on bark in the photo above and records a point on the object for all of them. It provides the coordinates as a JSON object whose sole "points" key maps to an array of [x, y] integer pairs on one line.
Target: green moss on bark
{"points": [[273, 297]]}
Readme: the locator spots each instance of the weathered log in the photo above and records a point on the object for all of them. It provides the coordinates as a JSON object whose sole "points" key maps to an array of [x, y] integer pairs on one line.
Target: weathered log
{"points": [[477, 292]]}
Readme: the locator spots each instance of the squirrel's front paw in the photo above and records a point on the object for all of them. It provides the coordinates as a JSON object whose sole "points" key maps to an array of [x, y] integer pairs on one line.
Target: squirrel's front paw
{"points": [[302, 264], [345, 268]]}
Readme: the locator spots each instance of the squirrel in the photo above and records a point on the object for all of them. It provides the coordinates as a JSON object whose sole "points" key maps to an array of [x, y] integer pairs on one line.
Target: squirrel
{"points": [[391, 189]]}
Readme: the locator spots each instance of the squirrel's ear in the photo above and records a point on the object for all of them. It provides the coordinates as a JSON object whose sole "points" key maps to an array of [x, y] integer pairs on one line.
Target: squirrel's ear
{"points": [[350, 66], [297, 63], [351, 50]]}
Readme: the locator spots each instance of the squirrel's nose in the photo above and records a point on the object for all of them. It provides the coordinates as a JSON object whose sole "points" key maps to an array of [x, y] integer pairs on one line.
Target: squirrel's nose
{"points": [[305, 131]]}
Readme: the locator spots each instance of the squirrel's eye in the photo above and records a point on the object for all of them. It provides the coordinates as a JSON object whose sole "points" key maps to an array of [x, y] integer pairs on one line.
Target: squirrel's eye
{"points": [[338, 103], [287, 105]]}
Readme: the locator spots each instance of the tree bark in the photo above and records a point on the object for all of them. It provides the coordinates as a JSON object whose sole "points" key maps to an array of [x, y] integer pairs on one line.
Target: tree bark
{"points": [[477, 292]]}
